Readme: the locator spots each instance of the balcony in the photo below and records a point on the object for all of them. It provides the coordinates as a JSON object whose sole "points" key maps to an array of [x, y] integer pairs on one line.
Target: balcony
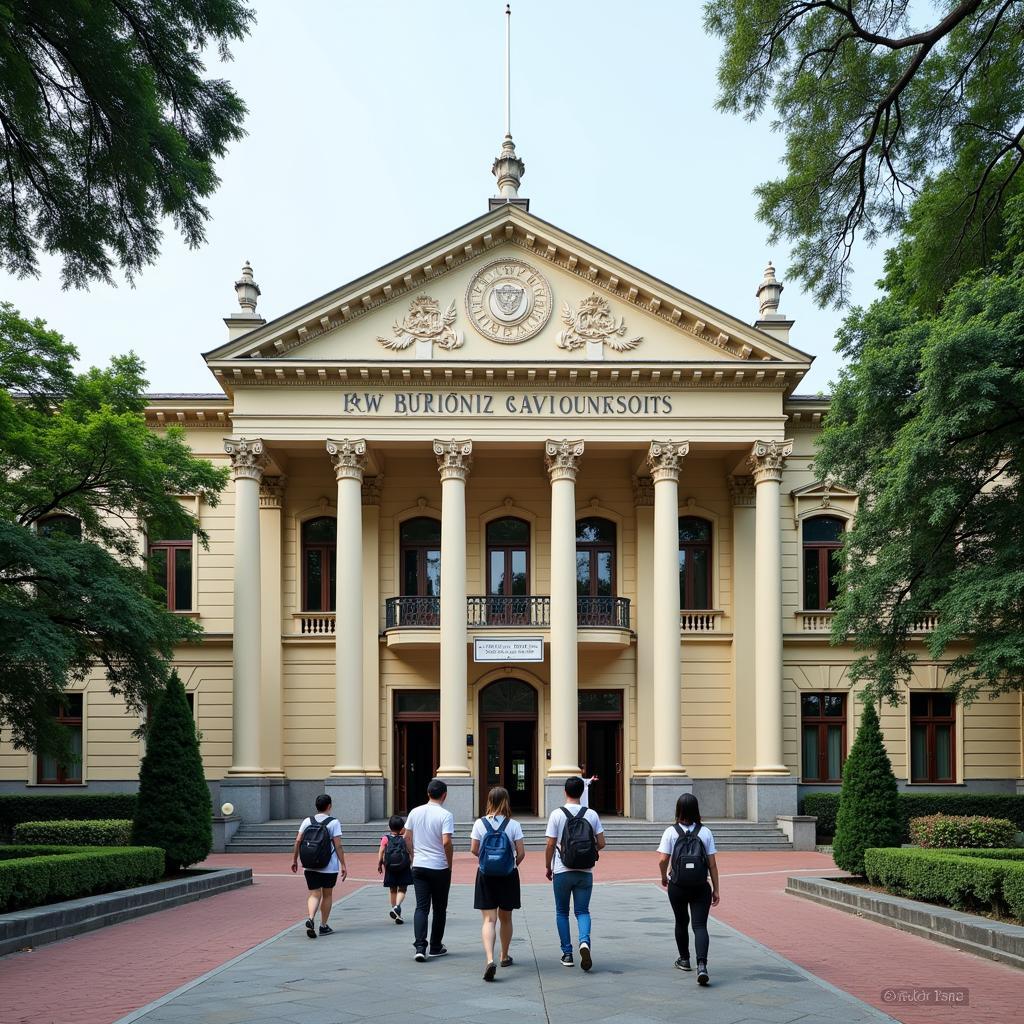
{"points": [[533, 612], [821, 622], [700, 621]]}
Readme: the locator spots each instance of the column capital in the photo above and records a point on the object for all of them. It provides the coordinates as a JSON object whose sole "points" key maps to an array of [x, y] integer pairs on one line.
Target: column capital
{"points": [[562, 458], [643, 492], [742, 491], [247, 459], [348, 456], [272, 491], [665, 459], [766, 459], [454, 458], [372, 486]]}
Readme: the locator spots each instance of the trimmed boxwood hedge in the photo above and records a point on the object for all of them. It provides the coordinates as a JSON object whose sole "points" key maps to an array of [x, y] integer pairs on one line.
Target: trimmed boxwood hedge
{"points": [[75, 833], [946, 831], [31, 878], [825, 806], [16, 808]]}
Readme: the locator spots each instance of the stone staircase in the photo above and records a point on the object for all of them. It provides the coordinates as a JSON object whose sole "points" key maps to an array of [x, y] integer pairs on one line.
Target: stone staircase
{"points": [[620, 834]]}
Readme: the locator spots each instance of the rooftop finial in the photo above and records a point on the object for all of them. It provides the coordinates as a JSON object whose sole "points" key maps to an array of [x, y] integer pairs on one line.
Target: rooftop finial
{"points": [[769, 291], [247, 290], [507, 166]]}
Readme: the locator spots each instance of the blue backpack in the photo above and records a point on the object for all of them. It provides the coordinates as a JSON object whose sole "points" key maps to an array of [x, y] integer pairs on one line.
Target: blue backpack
{"points": [[497, 856]]}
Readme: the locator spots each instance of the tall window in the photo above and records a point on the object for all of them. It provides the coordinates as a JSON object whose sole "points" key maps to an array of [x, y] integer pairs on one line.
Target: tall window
{"points": [[823, 730], [65, 525], [170, 562], [319, 563], [508, 557], [694, 562], [420, 541], [595, 557], [932, 737], [53, 771], [822, 537]]}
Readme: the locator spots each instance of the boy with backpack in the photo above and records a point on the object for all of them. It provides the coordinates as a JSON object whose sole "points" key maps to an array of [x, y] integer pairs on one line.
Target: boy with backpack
{"points": [[575, 838], [395, 864], [318, 846]]}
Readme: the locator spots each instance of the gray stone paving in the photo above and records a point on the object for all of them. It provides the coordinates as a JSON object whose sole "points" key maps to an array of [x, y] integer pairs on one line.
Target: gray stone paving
{"points": [[366, 972]]}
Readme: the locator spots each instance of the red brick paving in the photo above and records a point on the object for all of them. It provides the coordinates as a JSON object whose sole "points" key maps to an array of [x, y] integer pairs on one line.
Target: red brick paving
{"points": [[115, 970]]}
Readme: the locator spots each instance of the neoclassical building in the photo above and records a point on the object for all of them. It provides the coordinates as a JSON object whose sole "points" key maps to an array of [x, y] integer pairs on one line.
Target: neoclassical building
{"points": [[501, 508]]}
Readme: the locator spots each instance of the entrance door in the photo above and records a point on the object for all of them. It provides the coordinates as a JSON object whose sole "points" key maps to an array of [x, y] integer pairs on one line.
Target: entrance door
{"points": [[600, 739], [417, 746], [508, 748]]}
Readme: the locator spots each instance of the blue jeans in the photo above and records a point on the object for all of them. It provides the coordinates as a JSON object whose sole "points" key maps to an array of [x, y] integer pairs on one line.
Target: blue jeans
{"points": [[579, 885]]}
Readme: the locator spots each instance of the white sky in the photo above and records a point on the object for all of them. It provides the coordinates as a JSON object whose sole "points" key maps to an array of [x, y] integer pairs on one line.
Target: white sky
{"points": [[372, 127]]}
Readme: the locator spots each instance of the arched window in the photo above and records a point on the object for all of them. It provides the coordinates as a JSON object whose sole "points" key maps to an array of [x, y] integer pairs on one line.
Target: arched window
{"points": [[595, 557], [319, 563], [63, 524], [420, 541], [694, 562], [822, 538], [170, 562]]}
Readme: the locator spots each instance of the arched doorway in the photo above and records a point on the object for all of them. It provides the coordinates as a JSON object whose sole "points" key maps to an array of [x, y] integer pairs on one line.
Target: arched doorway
{"points": [[508, 742]]}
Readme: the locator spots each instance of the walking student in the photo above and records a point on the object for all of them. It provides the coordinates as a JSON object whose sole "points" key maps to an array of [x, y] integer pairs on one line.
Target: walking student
{"points": [[428, 835], [395, 864], [687, 858], [318, 844], [575, 838], [497, 840]]}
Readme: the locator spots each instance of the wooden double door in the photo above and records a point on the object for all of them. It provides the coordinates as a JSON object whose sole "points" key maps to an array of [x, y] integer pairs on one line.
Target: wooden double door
{"points": [[601, 747]]}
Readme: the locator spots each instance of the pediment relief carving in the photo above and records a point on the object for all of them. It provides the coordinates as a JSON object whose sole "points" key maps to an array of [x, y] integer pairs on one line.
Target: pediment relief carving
{"points": [[822, 495]]}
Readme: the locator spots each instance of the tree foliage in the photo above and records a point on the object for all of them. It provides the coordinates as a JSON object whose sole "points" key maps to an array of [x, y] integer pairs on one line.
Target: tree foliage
{"points": [[78, 445], [108, 125], [873, 108], [173, 810]]}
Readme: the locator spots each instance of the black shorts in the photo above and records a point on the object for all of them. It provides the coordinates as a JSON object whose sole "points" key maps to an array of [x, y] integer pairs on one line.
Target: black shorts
{"points": [[320, 879], [497, 892]]}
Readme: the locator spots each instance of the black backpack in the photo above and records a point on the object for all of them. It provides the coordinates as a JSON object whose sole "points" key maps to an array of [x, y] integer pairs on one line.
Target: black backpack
{"points": [[317, 846], [578, 849], [396, 854], [689, 858]]}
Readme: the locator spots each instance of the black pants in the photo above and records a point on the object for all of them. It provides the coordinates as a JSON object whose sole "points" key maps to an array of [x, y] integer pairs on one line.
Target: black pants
{"points": [[432, 885], [691, 903]]}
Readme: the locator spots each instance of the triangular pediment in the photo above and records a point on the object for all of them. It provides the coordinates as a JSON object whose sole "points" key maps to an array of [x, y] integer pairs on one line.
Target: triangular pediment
{"points": [[508, 288]]}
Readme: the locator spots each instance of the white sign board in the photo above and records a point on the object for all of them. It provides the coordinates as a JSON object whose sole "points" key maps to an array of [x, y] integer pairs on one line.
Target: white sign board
{"points": [[506, 649]]}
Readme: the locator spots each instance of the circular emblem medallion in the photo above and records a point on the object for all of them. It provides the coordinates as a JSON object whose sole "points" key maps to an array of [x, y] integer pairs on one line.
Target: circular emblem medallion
{"points": [[508, 301]]}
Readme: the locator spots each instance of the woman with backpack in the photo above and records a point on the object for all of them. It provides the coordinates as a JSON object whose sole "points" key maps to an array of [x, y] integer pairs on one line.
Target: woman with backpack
{"points": [[395, 864], [497, 840], [687, 859]]}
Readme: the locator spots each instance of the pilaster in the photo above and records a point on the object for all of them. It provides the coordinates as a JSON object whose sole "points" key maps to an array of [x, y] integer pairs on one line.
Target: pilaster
{"points": [[272, 490]]}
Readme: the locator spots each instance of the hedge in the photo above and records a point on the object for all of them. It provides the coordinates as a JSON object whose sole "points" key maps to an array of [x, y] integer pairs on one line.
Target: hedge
{"points": [[938, 831], [825, 806], [31, 880], [957, 878], [15, 809], [75, 833]]}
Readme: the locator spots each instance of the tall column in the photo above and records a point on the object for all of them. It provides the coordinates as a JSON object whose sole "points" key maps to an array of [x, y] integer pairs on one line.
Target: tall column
{"points": [[372, 487], [643, 503], [771, 786], [562, 459], [454, 459], [347, 785]]}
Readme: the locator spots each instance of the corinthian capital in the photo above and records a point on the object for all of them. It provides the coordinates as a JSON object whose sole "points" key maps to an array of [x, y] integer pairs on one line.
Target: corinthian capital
{"points": [[454, 458], [666, 459], [562, 458], [766, 459], [348, 456], [741, 489], [272, 491], [247, 459]]}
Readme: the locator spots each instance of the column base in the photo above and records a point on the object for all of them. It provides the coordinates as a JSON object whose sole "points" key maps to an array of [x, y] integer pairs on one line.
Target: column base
{"points": [[736, 795], [355, 799], [461, 797], [255, 797], [660, 793], [769, 796]]}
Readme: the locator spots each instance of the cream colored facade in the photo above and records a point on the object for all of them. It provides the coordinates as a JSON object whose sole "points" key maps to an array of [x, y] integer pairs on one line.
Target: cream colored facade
{"points": [[511, 371]]}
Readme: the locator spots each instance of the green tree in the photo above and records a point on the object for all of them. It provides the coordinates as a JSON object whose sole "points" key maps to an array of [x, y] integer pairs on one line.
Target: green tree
{"points": [[108, 125], [173, 811], [868, 815], [78, 445], [873, 107]]}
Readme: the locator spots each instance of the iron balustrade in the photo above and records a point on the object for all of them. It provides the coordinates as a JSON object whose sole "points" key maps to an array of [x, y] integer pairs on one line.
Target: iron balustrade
{"points": [[517, 610], [412, 612], [610, 612], [520, 610]]}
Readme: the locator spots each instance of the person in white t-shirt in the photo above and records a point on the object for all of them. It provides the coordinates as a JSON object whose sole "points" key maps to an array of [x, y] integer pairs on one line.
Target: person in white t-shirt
{"points": [[321, 882], [575, 883], [690, 895], [496, 896], [428, 835]]}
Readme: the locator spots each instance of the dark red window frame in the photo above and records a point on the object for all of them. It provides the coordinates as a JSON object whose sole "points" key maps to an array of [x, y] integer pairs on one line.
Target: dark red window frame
{"points": [[821, 553], [931, 722], [686, 584], [69, 717], [324, 551], [169, 580], [821, 722]]}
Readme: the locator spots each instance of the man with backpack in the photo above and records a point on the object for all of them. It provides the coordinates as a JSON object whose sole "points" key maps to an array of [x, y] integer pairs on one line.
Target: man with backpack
{"points": [[575, 838], [428, 835], [318, 846]]}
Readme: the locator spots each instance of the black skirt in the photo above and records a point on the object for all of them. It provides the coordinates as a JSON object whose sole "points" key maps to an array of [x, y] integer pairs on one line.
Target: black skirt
{"points": [[497, 892], [395, 878]]}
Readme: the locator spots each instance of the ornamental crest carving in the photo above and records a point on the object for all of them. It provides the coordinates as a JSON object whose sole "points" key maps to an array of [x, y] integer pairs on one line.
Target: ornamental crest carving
{"points": [[426, 324], [593, 322], [508, 301]]}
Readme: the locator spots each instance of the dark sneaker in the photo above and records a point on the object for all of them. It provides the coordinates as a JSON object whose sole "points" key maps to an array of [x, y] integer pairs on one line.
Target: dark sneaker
{"points": [[326, 929], [310, 929], [683, 964], [567, 959], [491, 971], [440, 951], [393, 914], [585, 962], [702, 973], [421, 956], [507, 961]]}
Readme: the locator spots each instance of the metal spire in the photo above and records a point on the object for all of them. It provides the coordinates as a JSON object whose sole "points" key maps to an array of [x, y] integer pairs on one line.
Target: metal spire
{"points": [[507, 166]]}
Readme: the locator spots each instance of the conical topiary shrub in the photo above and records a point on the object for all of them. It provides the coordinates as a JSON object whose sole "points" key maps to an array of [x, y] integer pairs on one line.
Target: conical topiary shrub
{"points": [[868, 801], [173, 810]]}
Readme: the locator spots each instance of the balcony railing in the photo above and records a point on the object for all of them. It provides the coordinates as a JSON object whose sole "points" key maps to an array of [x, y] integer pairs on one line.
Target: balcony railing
{"points": [[412, 612], [821, 621], [315, 623], [526, 610], [702, 621], [509, 611], [609, 612]]}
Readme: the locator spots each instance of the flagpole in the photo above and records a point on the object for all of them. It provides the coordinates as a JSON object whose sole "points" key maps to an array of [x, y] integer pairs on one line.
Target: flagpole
{"points": [[508, 55]]}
